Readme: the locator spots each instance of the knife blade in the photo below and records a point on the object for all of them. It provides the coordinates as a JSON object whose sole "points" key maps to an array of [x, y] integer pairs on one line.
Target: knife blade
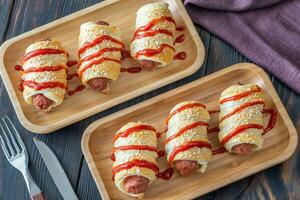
{"points": [[56, 171]]}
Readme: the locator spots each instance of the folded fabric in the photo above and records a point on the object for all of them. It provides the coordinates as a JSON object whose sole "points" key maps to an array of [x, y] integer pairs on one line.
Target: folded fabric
{"points": [[267, 32]]}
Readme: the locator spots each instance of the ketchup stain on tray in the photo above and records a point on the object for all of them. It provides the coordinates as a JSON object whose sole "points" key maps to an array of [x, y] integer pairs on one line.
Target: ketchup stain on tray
{"points": [[180, 56], [166, 175], [272, 120], [71, 63], [161, 153], [76, 90], [179, 39], [112, 157], [219, 151], [131, 70], [213, 130], [21, 86], [71, 76], [19, 68], [214, 111], [125, 54], [180, 28]]}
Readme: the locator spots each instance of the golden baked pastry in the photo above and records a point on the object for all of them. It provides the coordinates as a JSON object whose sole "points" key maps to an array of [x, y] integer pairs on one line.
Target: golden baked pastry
{"points": [[241, 122]]}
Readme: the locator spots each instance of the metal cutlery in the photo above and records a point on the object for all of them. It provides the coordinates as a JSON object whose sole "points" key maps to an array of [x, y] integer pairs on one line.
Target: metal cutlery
{"points": [[56, 171], [16, 153]]}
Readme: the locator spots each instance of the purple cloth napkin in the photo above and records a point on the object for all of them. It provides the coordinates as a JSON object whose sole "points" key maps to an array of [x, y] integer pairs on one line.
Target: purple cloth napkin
{"points": [[265, 31]]}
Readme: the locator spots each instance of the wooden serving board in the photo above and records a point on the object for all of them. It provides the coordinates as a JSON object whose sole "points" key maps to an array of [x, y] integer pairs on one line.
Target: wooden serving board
{"points": [[120, 13], [223, 169]]}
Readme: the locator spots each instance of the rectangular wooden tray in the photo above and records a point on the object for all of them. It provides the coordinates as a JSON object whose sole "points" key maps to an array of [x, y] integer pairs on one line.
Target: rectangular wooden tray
{"points": [[120, 13], [280, 143]]}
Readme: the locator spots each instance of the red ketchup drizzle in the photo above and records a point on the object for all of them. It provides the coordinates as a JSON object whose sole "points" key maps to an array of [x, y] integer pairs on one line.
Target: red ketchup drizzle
{"points": [[145, 31], [71, 76], [186, 146], [180, 56], [135, 163], [185, 129], [45, 68], [179, 39], [125, 54], [153, 23], [238, 130], [135, 147], [213, 111], [76, 90], [245, 105], [112, 157], [44, 85], [71, 63], [184, 107], [239, 96], [21, 87], [152, 52], [272, 120], [159, 134], [161, 153], [213, 130], [98, 40], [131, 70], [99, 53], [95, 62], [132, 130], [152, 33], [180, 28], [166, 175], [39, 52], [219, 151], [19, 68]]}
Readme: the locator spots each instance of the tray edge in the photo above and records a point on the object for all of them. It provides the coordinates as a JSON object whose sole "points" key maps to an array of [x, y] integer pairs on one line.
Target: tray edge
{"points": [[45, 129], [262, 166], [293, 140]]}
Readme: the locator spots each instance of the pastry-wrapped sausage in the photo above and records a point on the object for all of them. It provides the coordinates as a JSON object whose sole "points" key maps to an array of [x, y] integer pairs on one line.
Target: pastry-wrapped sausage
{"points": [[44, 77], [100, 55], [153, 41], [187, 145], [135, 153], [241, 122]]}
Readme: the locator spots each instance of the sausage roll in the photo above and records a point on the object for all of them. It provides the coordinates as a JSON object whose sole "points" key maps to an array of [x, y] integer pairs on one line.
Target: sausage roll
{"points": [[241, 122], [153, 41], [135, 153], [186, 144], [44, 79], [100, 55]]}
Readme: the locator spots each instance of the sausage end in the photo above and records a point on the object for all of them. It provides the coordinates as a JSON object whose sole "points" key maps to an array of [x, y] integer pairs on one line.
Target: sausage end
{"points": [[41, 102], [99, 84], [136, 184], [243, 149], [186, 167]]}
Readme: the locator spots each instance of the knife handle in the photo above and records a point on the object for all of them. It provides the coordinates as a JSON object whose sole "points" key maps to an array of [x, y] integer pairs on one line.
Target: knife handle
{"points": [[39, 196]]}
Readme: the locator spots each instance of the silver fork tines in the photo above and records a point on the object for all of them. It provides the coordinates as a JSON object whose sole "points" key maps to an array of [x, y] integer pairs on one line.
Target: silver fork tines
{"points": [[12, 139], [16, 153]]}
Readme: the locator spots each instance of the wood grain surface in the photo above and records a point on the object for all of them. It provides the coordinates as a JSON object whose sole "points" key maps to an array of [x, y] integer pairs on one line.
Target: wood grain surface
{"points": [[78, 107], [18, 16], [279, 143]]}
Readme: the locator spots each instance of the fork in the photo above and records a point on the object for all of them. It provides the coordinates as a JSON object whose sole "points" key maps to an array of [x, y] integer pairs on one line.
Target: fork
{"points": [[16, 153]]}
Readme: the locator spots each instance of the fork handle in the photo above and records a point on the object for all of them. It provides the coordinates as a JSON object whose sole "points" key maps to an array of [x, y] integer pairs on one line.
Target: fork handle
{"points": [[34, 191]]}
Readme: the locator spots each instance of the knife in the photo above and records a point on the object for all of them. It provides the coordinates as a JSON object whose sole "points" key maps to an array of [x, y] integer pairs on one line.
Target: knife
{"points": [[56, 171]]}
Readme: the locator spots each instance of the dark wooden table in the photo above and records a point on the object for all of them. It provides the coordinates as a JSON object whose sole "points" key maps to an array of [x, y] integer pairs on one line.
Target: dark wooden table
{"points": [[18, 16]]}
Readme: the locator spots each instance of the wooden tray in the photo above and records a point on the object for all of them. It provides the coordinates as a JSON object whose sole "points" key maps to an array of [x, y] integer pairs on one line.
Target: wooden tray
{"points": [[120, 13], [279, 145]]}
